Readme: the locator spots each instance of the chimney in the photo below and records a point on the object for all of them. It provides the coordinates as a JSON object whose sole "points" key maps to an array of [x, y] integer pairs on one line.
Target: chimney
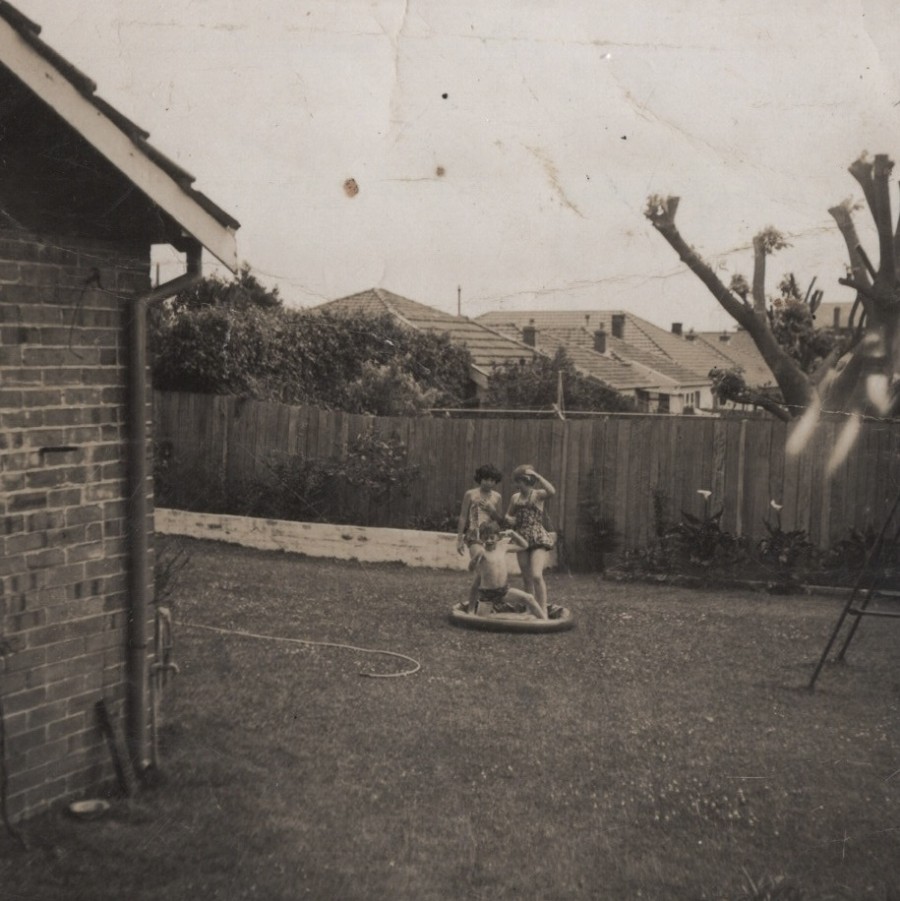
{"points": [[600, 341], [529, 334], [691, 335], [724, 337], [676, 328], [618, 325]]}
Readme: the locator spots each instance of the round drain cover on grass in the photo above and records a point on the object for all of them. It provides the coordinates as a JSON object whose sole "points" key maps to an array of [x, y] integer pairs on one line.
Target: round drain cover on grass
{"points": [[88, 810]]}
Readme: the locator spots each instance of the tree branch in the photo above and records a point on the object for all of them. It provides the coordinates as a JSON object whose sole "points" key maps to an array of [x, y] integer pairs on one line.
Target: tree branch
{"points": [[897, 247], [759, 275], [882, 172], [865, 293], [769, 404], [795, 386], [661, 213], [844, 220], [861, 170]]}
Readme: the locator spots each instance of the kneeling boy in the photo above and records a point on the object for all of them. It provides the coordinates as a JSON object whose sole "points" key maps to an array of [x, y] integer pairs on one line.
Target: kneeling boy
{"points": [[489, 561]]}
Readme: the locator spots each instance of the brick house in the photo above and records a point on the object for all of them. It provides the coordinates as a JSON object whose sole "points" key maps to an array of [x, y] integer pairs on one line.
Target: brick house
{"points": [[83, 197]]}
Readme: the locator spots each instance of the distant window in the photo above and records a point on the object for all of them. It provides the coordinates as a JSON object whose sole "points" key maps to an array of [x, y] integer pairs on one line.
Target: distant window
{"points": [[643, 400]]}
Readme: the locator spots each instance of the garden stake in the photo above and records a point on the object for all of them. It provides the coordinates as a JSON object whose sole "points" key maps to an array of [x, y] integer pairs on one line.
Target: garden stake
{"points": [[106, 728]]}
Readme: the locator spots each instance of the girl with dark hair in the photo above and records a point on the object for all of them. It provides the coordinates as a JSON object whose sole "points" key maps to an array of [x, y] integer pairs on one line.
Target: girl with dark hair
{"points": [[479, 505]]}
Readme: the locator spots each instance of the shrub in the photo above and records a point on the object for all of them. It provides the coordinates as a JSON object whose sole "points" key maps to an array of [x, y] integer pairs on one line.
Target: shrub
{"points": [[352, 488], [697, 545], [784, 549], [534, 384], [359, 363], [378, 465], [440, 521], [851, 551], [601, 536], [299, 489], [701, 541]]}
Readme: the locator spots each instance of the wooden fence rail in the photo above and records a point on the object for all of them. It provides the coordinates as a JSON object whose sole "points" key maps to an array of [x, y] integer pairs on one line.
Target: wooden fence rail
{"points": [[632, 467]]}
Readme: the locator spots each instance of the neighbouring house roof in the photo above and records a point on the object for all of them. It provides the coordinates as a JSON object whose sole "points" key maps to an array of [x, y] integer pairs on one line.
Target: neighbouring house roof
{"points": [[740, 349], [652, 361], [621, 374], [29, 69], [486, 345], [682, 362], [617, 372]]}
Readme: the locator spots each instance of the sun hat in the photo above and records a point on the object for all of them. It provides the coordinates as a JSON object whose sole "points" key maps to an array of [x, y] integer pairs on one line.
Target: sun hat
{"points": [[521, 472]]}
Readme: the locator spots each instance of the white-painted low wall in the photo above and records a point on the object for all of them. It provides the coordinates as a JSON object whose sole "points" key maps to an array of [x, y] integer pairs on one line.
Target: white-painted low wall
{"points": [[435, 550]]}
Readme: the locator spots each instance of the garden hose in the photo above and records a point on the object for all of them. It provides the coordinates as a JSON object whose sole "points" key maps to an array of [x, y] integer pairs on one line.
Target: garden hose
{"points": [[324, 644]]}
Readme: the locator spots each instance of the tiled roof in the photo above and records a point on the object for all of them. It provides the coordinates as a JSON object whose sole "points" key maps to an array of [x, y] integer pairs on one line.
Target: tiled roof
{"points": [[616, 371], [742, 352], [681, 361], [486, 345], [29, 32], [652, 361]]}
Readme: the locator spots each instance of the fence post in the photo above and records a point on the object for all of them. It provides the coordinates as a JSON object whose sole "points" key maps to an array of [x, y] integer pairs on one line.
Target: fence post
{"points": [[739, 504]]}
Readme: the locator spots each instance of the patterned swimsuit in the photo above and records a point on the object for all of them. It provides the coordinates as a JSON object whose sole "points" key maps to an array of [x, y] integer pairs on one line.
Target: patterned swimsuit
{"points": [[478, 514], [530, 525]]}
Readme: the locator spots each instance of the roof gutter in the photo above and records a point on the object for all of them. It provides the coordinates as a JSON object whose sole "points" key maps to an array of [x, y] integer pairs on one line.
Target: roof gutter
{"points": [[138, 510]]}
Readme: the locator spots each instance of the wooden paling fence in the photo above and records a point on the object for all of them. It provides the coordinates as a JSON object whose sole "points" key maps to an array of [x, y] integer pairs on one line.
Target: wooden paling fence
{"points": [[629, 468]]}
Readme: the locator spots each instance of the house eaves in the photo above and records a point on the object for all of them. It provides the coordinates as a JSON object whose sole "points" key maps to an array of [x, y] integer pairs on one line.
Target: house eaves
{"points": [[71, 95]]}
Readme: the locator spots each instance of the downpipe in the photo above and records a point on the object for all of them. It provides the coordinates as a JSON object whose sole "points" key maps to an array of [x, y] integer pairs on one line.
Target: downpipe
{"points": [[138, 528]]}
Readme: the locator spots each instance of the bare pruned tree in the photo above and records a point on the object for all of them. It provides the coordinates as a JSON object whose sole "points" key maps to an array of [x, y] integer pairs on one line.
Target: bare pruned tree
{"points": [[859, 377]]}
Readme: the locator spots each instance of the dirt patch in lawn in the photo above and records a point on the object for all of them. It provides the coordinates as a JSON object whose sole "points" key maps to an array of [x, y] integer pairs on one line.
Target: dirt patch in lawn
{"points": [[665, 748]]}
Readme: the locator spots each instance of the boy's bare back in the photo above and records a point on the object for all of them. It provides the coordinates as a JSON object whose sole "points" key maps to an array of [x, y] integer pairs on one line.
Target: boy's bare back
{"points": [[492, 565]]}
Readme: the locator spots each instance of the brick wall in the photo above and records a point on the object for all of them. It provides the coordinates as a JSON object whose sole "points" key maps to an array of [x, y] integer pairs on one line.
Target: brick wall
{"points": [[63, 550]]}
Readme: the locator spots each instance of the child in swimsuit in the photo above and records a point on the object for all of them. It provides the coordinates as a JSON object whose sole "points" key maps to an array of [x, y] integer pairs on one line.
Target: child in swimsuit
{"points": [[489, 562], [525, 515], [479, 505]]}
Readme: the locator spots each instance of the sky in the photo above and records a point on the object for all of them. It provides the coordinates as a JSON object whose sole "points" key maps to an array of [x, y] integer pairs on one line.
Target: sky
{"points": [[503, 151]]}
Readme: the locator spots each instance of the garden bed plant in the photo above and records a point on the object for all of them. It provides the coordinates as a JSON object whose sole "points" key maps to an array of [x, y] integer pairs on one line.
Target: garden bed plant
{"points": [[697, 550]]}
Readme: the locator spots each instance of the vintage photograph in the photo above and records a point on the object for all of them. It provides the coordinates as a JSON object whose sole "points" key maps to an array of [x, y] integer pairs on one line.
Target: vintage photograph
{"points": [[449, 451]]}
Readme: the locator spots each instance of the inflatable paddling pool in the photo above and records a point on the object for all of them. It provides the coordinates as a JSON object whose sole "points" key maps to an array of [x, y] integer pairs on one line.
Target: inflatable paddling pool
{"points": [[511, 622]]}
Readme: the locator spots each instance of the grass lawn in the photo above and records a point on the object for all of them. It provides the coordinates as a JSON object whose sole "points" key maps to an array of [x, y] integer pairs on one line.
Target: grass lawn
{"points": [[666, 748]]}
